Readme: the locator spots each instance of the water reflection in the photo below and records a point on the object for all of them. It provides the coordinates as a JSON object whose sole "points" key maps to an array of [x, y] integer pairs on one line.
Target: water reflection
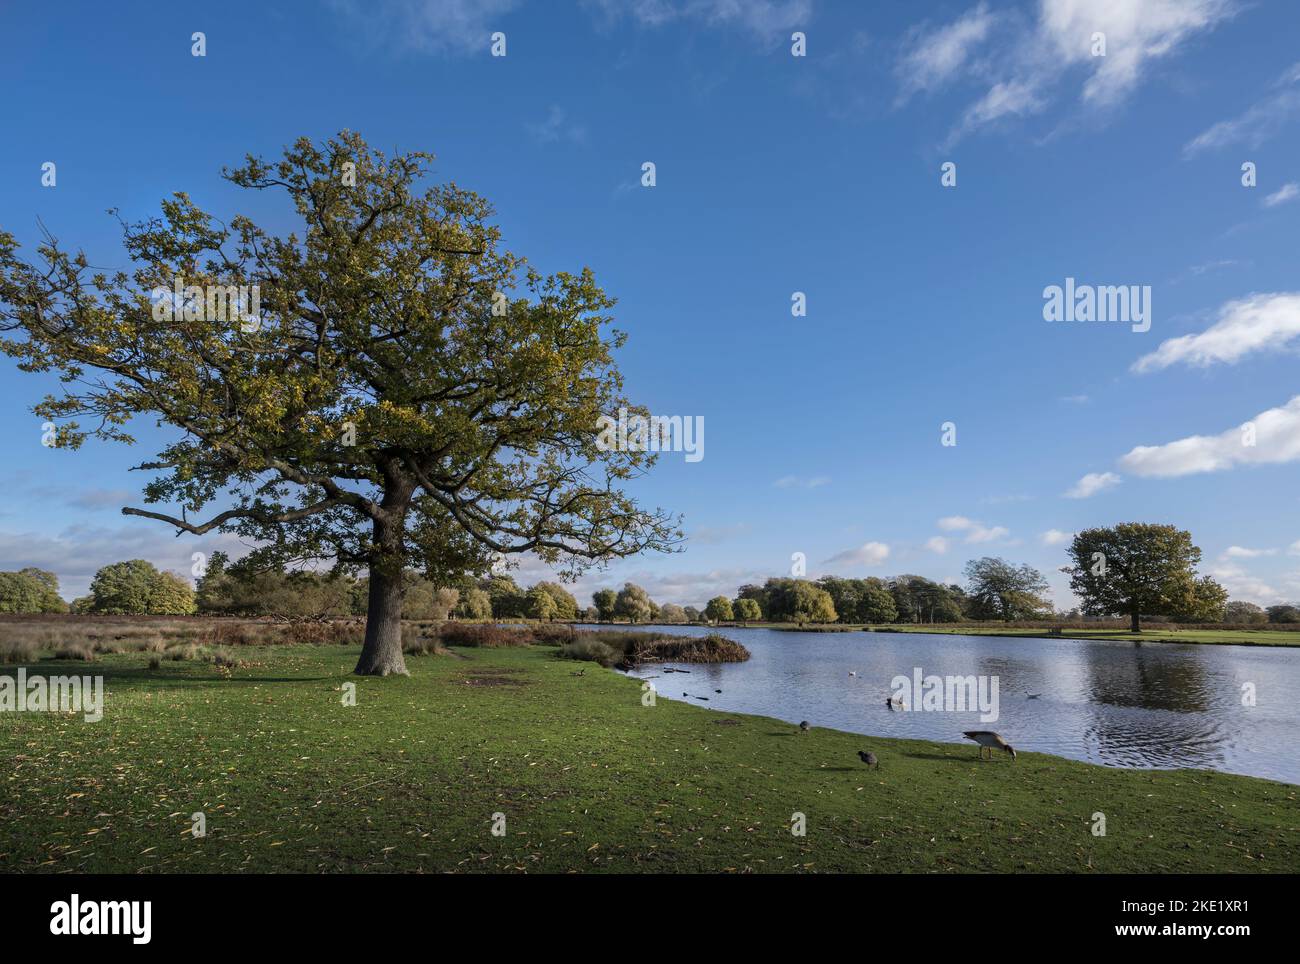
{"points": [[1115, 703]]}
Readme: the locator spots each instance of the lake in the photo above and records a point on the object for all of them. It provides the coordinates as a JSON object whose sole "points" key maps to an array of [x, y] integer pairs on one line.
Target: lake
{"points": [[1119, 704]]}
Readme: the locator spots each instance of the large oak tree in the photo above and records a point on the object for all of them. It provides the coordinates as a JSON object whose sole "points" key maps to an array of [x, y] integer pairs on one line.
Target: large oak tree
{"points": [[1135, 568], [410, 393]]}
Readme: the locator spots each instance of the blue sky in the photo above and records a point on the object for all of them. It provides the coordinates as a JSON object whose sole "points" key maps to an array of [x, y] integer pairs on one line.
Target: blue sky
{"points": [[775, 174]]}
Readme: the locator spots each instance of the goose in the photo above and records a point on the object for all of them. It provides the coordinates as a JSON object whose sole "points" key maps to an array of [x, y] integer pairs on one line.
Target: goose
{"points": [[805, 726], [853, 672], [869, 758], [894, 704], [988, 740]]}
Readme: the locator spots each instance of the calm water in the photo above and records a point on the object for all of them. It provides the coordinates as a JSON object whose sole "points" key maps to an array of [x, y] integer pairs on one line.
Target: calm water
{"points": [[1115, 703]]}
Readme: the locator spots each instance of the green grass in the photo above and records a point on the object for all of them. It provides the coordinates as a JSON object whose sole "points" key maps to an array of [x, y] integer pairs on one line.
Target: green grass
{"points": [[589, 780]]}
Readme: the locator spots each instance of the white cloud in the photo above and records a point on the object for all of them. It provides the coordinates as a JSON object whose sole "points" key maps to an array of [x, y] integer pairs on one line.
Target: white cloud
{"points": [[557, 127], [937, 544], [1287, 192], [975, 531], [79, 551], [1091, 484], [800, 482], [1258, 124], [1260, 322], [1055, 537], [951, 523], [764, 19], [437, 26], [868, 554], [1241, 552], [1276, 437], [1076, 399], [1294, 550], [933, 58], [1243, 586], [1025, 62]]}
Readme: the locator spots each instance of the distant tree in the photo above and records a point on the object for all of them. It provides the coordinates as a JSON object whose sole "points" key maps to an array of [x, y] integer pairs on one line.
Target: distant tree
{"points": [[124, 588], [170, 595], [30, 591], [1132, 569], [1244, 613], [1200, 600], [758, 594], [692, 614], [1283, 614], [812, 605], [877, 604], [508, 600], [919, 600], [541, 604], [604, 601], [566, 607], [474, 604], [718, 610], [1006, 591], [747, 610], [670, 613], [82, 605], [633, 603]]}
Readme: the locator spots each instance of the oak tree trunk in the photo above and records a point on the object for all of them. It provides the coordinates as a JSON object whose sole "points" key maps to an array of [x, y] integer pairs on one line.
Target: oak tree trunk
{"points": [[1133, 621], [381, 654]]}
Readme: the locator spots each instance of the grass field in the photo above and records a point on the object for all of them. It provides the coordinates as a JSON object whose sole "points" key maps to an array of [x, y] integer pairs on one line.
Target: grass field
{"points": [[587, 777]]}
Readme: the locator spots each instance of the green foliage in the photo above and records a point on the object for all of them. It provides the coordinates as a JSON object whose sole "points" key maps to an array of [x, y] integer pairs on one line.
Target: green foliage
{"points": [[170, 595], [1284, 614], [474, 603], [605, 601], [541, 604], [566, 607], [1134, 569], [410, 394], [671, 613], [633, 603], [999, 590], [1243, 613], [747, 610], [124, 588], [30, 591], [718, 609]]}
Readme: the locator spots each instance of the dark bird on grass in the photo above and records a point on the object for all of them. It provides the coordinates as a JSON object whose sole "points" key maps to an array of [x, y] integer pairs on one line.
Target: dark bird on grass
{"points": [[805, 726], [869, 758], [988, 740]]}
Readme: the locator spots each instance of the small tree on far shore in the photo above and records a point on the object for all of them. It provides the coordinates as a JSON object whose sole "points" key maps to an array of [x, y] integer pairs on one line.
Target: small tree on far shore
{"points": [[718, 610]]}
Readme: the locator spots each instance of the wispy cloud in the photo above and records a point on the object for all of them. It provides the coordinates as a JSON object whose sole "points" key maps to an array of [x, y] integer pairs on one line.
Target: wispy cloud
{"points": [[1275, 436], [557, 127], [973, 531], [937, 544], [868, 554], [800, 482], [1022, 64], [764, 20], [1091, 484], [429, 26], [1241, 552], [1257, 125], [1258, 323], [1055, 537], [1287, 192]]}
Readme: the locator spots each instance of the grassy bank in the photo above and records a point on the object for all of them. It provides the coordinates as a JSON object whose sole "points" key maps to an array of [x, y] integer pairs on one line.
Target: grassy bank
{"points": [[588, 779]]}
